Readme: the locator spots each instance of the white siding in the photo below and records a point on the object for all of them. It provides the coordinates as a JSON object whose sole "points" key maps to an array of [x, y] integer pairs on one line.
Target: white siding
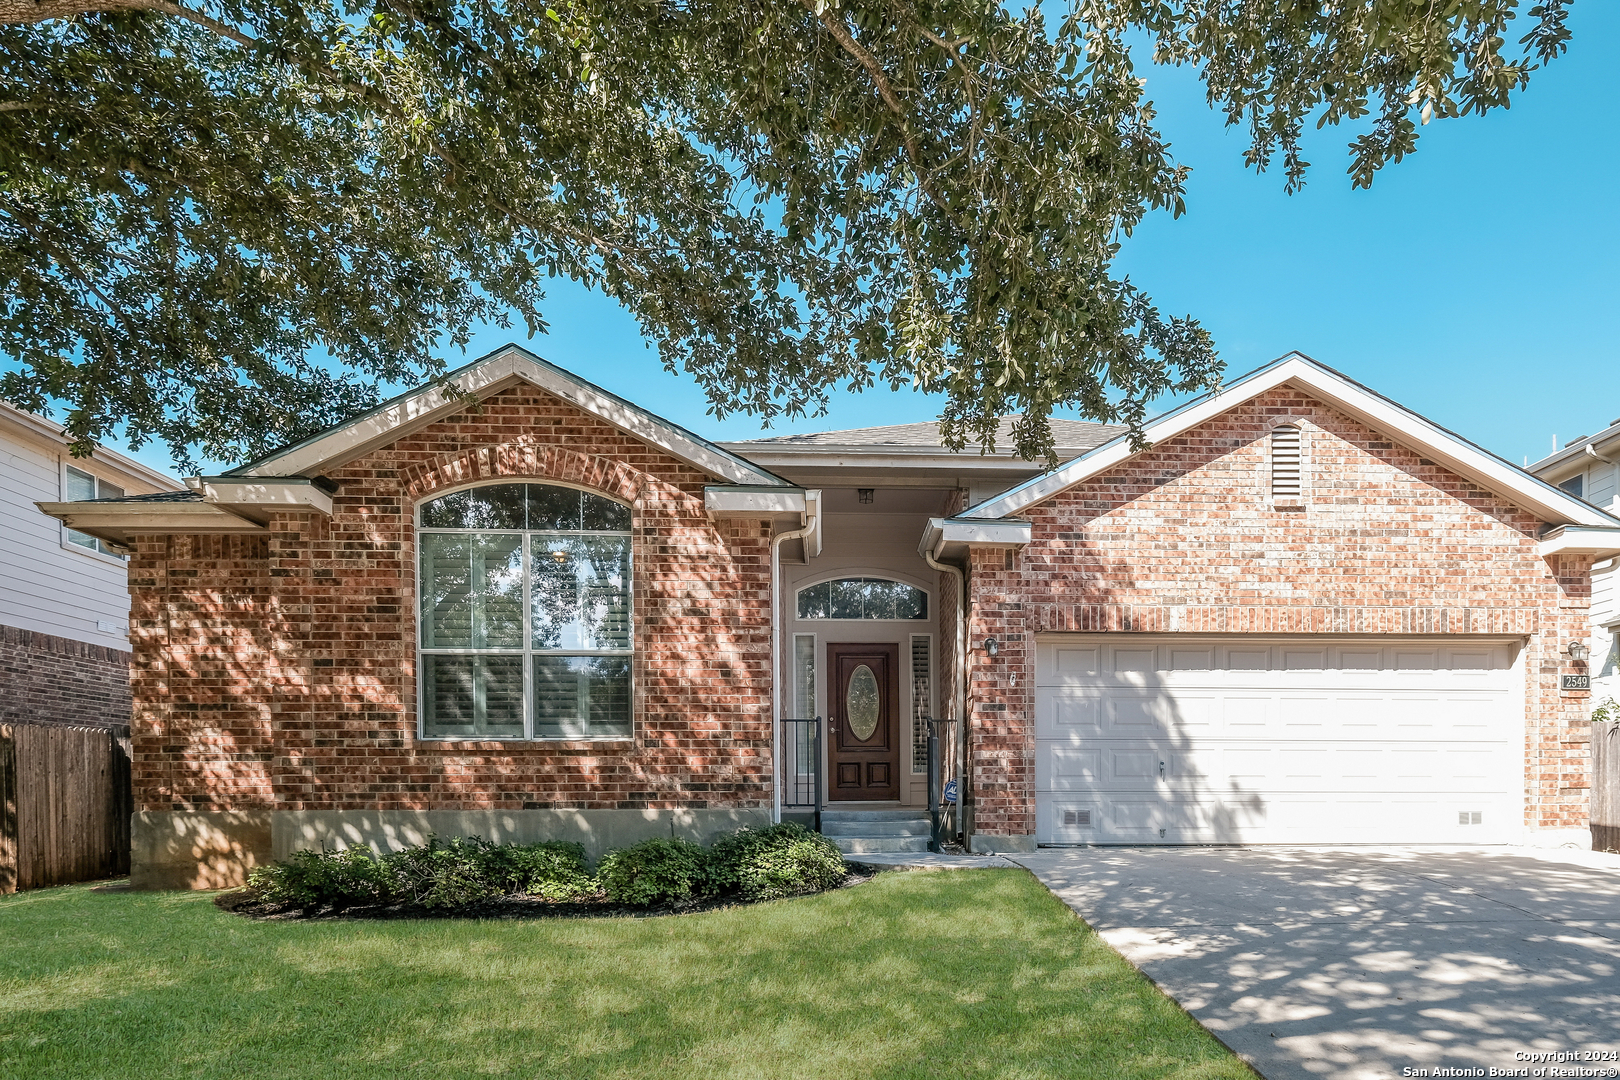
{"points": [[1605, 610], [1600, 485], [44, 586]]}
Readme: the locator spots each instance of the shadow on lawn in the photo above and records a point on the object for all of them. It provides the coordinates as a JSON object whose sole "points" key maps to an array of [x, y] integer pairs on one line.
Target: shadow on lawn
{"points": [[975, 973]]}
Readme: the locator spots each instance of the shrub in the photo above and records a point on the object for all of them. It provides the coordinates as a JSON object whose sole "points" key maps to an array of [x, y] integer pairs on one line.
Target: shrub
{"points": [[337, 879], [655, 870], [776, 861], [446, 873], [551, 869]]}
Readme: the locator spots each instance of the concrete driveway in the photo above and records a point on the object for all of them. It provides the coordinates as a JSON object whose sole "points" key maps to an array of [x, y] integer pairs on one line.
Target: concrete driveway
{"points": [[1360, 963]]}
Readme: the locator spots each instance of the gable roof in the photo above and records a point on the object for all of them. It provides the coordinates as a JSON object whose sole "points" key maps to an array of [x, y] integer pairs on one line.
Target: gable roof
{"points": [[508, 366], [1069, 435], [1342, 393]]}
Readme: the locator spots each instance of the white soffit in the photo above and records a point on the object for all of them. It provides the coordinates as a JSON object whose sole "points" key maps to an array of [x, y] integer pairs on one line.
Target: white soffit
{"points": [[1598, 542], [255, 499], [117, 521], [950, 537], [1326, 385], [483, 378]]}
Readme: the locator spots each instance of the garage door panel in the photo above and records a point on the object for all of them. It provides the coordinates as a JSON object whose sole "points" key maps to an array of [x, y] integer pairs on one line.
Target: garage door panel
{"points": [[1069, 715], [1133, 714], [1068, 768], [1302, 741]]}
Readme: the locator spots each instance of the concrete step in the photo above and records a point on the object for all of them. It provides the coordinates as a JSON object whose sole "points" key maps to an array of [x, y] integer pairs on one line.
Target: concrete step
{"points": [[874, 815], [865, 845], [874, 828]]}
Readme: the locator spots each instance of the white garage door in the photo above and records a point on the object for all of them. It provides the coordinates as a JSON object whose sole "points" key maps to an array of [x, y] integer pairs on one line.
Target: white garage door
{"points": [[1189, 740]]}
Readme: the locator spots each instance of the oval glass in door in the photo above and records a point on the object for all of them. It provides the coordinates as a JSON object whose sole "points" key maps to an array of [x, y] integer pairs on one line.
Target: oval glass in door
{"points": [[862, 703]]}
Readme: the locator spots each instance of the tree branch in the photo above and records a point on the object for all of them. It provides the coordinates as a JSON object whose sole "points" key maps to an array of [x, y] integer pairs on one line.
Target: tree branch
{"points": [[880, 79], [23, 12]]}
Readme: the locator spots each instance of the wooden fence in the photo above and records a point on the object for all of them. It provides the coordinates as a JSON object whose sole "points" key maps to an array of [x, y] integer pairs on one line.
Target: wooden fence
{"points": [[1605, 786], [65, 804]]}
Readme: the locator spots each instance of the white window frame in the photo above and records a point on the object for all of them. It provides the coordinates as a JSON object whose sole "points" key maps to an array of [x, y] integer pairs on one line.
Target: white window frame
{"points": [[849, 573], [528, 651], [100, 550]]}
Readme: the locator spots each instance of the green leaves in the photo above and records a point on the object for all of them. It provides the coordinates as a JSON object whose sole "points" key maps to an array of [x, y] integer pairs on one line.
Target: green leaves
{"points": [[227, 228]]}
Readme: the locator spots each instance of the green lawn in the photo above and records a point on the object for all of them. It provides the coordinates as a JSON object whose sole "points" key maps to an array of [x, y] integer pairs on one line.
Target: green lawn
{"points": [[976, 973]]}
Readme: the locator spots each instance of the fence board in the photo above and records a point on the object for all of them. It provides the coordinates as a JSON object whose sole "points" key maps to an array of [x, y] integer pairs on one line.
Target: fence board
{"points": [[65, 804], [1605, 786]]}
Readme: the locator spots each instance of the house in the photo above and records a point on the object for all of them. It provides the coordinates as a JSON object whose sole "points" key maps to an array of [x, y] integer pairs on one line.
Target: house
{"points": [[64, 595], [1589, 468], [1303, 614]]}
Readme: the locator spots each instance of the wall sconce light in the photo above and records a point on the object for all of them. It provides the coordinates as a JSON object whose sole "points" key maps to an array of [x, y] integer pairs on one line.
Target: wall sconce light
{"points": [[992, 646], [1578, 651], [864, 494]]}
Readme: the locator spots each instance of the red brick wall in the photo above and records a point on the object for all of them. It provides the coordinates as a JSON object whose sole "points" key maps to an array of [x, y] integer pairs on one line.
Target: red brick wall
{"points": [[278, 671], [46, 679], [1185, 537]]}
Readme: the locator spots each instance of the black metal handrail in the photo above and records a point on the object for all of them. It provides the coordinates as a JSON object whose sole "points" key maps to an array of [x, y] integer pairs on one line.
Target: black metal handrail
{"points": [[936, 782], [801, 766]]}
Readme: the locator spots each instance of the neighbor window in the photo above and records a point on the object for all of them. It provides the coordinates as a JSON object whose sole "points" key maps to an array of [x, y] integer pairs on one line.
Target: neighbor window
{"points": [[862, 598], [80, 486], [525, 614], [1575, 484]]}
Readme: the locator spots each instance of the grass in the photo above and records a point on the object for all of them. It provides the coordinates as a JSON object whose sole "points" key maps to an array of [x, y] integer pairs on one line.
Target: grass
{"points": [[977, 973]]}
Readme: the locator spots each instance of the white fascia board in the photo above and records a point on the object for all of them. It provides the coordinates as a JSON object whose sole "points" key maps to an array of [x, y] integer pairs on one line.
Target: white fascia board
{"points": [[117, 521], [249, 496], [722, 501], [1578, 455], [1455, 453], [1600, 543], [950, 537], [488, 376], [812, 509]]}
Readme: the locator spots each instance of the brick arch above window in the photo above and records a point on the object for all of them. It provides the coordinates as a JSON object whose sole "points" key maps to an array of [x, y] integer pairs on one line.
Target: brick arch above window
{"points": [[526, 459]]}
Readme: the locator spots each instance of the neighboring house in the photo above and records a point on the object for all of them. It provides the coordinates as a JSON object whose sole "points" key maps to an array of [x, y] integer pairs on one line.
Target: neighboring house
{"points": [[1589, 468], [1304, 614], [64, 595]]}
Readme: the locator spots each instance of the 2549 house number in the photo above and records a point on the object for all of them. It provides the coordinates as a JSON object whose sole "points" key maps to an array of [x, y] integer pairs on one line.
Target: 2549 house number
{"points": [[1574, 682]]}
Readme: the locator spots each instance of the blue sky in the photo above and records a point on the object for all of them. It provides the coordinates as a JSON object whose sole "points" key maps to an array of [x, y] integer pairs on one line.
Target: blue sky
{"points": [[1476, 283]]}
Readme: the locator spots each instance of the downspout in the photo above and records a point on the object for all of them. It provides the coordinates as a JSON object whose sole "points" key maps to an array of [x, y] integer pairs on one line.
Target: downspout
{"points": [[812, 519], [961, 682]]}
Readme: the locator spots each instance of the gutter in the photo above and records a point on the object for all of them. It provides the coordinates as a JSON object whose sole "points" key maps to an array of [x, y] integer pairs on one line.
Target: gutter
{"points": [[811, 523], [959, 705]]}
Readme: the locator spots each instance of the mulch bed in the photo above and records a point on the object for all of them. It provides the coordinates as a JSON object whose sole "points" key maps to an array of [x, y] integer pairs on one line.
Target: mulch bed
{"points": [[243, 902]]}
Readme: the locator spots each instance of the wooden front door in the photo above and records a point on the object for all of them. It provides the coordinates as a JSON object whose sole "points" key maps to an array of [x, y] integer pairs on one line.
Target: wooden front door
{"points": [[864, 751]]}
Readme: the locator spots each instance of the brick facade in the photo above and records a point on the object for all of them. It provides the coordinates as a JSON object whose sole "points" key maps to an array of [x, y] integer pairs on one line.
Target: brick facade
{"points": [[1187, 538], [277, 672], [55, 680]]}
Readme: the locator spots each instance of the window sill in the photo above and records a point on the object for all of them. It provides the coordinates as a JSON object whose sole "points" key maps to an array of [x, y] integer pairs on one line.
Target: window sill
{"points": [[608, 741]]}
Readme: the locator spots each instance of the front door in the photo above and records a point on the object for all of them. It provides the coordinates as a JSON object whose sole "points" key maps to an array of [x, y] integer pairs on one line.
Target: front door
{"points": [[865, 755]]}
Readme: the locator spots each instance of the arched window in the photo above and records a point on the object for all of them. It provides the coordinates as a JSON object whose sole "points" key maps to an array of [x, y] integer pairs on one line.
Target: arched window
{"points": [[525, 614], [862, 598]]}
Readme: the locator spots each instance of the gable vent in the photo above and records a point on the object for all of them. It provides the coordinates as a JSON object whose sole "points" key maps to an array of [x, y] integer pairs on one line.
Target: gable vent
{"points": [[1081, 818], [1469, 817], [1285, 461]]}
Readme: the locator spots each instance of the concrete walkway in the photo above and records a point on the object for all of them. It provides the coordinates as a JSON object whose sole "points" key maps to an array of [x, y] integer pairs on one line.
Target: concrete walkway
{"points": [[1359, 963]]}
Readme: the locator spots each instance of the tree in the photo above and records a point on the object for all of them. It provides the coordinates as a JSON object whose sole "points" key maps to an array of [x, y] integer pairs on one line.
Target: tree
{"points": [[199, 202]]}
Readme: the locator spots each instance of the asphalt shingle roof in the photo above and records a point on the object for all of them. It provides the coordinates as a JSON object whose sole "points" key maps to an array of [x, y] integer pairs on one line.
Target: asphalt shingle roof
{"points": [[155, 497], [1067, 434]]}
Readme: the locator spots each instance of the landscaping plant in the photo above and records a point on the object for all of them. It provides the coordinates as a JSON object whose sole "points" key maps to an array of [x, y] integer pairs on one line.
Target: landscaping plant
{"points": [[781, 860], [656, 871]]}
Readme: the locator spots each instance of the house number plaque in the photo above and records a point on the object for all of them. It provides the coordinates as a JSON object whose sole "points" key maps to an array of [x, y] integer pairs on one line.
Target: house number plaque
{"points": [[1574, 682]]}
